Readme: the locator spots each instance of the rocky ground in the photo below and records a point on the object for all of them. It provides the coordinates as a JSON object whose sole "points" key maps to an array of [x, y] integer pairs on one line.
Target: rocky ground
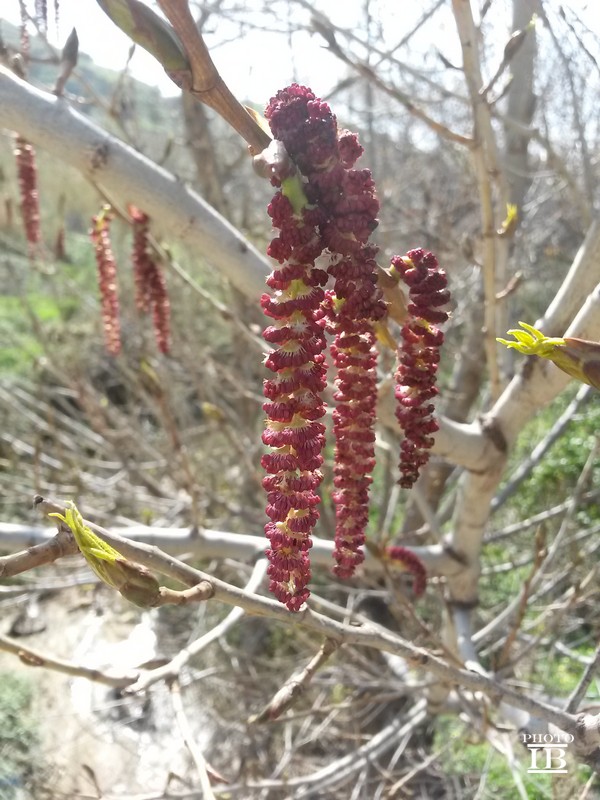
{"points": [[94, 742]]}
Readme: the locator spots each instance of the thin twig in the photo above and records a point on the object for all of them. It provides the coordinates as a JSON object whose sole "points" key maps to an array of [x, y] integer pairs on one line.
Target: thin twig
{"points": [[528, 464], [536, 519], [576, 102], [579, 691], [512, 608], [539, 544], [206, 84], [34, 658], [190, 743], [287, 695], [343, 768], [172, 669], [426, 762], [323, 26], [370, 635]]}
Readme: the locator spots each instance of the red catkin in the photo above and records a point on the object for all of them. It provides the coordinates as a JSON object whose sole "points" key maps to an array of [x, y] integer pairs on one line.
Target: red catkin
{"points": [[328, 209], [150, 285], [28, 188], [418, 357], [343, 209], [293, 400], [107, 280], [293, 406], [411, 563]]}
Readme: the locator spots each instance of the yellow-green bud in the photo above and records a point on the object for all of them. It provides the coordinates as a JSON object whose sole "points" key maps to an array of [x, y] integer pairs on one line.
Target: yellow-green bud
{"points": [[136, 583], [579, 358]]}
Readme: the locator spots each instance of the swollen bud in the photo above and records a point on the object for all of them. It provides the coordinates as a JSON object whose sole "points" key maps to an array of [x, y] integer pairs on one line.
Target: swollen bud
{"points": [[136, 583], [580, 359], [68, 62], [148, 30], [274, 161]]}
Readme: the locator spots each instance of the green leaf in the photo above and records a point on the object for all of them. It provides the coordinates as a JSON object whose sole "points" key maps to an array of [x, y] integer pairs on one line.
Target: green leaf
{"points": [[136, 583], [579, 358]]}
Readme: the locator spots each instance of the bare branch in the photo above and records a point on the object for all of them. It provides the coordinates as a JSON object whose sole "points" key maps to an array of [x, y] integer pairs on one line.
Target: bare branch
{"points": [[206, 83], [295, 685], [34, 658], [203, 542], [490, 181], [172, 669], [202, 767], [579, 691], [364, 635], [323, 26], [130, 178]]}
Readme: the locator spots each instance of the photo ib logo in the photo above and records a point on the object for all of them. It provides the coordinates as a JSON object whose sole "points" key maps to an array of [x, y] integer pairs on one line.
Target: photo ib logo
{"points": [[547, 751]]}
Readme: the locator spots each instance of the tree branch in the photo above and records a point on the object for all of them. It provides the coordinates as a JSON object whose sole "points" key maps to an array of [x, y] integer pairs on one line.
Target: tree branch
{"points": [[490, 182], [126, 176], [44, 549], [34, 658]]}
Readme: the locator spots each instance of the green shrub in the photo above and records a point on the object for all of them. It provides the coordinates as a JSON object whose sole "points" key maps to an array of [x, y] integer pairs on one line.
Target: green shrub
{"points": [[18, 737]]}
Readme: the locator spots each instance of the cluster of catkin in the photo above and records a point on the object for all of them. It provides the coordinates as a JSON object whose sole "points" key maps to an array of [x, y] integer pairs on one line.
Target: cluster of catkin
{"points": [[325, 298]]}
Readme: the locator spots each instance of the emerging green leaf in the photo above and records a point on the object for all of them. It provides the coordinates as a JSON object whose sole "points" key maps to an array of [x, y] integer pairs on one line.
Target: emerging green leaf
{"points": [[136, 583], [579, 358]]}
